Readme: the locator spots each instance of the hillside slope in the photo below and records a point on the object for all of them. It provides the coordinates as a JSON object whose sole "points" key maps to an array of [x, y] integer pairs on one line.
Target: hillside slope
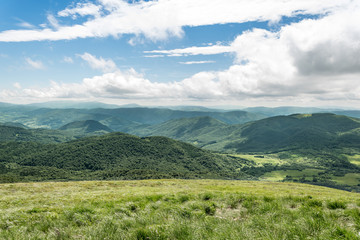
{"points": [[19, 134], [176, 209], [299, 131], [86, 127], [199, 130], [120, 156]]}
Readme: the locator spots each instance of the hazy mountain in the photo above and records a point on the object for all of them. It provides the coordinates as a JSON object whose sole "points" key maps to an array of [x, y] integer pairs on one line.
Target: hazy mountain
{"points": [[14, 124], [2, 104], [350, 113], [120, 125], [270, 112], [73, 104], [114, 118], [193, 108], [160, 115]]}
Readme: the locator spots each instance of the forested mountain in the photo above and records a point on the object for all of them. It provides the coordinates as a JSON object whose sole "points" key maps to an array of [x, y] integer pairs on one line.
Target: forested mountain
{"points": [[115, 156], [278, 133], [299, 131], [19, 134], [321, 148], [86, 127], [183, 128], [12, 124], [200, 131]]}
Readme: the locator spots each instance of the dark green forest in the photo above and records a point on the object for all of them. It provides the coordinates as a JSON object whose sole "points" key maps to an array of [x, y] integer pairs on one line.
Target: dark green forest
{"points": [[113, 156]]}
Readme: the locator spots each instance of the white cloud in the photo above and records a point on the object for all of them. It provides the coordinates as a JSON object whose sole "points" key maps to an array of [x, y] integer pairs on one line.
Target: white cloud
{"points": [[17, 85], [25, 25], [81, 9], [208, 50], [154, 56], [99, 63], [68, 59], [313, 60], [158, 20], [53, 21], [36, 64], [196, 62]]}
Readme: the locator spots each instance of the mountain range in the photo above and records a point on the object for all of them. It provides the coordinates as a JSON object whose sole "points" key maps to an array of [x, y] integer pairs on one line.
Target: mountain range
{"points": [[86, 144]]}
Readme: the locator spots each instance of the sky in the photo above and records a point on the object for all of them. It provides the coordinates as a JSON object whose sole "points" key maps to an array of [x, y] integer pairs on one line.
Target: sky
{"points": [[181, 52]]}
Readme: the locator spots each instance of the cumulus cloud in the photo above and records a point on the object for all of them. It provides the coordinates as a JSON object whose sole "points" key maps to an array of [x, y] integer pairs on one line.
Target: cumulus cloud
{"points": [[99, 63], [158, 20], [311, 57], [36, 64], [314, 59]]}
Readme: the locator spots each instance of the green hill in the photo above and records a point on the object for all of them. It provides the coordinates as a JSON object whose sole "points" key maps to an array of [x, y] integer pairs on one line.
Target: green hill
{"points": [[120, 125], [19, 134], [317, 148], [198, 130], [14, 124], [86, 127], [312, 131], [298, 131], [116, 156]]}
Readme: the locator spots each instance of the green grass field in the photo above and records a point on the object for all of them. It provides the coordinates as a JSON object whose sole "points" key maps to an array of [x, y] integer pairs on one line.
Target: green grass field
{"points": [[355, 159], [307, 173], [261, 159], [177, 209], [351, 179]]}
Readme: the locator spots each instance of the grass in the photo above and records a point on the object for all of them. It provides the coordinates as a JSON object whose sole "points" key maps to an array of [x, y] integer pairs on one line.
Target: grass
{"points": [[351, 179], [308, 173], [261, 159], [354, 159], [277, 159], [176, 209]]}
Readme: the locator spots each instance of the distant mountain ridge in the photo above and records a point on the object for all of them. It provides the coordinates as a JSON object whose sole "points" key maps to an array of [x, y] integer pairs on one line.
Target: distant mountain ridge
{"points": [[73, 104], [126, 117]]}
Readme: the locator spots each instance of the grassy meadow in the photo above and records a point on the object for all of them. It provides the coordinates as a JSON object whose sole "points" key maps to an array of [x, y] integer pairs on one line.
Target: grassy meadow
{"points": [[177, 209]]}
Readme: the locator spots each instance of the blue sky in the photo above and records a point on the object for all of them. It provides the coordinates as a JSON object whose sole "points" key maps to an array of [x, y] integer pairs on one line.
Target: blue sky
{"points": [[181, 52]]}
